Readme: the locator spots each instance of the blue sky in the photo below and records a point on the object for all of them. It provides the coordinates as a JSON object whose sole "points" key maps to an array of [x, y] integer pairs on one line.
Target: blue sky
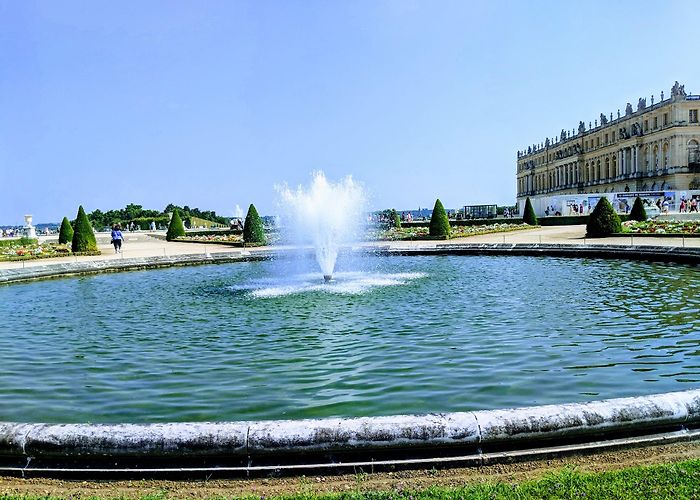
{"points": [[211, 104]]}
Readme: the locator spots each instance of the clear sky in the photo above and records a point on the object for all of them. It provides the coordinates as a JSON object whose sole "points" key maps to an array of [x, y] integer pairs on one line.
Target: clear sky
{"points": [[211, 104]]}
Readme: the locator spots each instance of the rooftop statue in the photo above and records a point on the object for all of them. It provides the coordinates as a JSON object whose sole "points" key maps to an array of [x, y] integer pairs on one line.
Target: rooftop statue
{"points": [[678, 90], [641, 104], [563, 135], [604, 119], [546, 142], [581, 127], [628, 109]]}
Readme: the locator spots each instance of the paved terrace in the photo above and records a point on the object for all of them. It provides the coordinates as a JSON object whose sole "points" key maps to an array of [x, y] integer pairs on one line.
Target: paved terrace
{"points": [[143, 244]]}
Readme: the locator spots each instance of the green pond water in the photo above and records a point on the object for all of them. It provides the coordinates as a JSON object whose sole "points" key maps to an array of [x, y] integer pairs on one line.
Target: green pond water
{"points": [[391, 335]]}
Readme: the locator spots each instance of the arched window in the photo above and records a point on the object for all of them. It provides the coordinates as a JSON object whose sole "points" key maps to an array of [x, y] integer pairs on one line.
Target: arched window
{"points": [[597, 170], [665, 150], [693, 153], [607, 167]]}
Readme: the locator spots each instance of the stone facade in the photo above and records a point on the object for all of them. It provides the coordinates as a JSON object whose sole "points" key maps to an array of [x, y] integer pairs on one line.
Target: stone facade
{"points": [[653, 148]]}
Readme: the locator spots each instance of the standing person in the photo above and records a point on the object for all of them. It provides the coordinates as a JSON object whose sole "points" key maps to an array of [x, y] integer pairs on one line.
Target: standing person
{"points": [[117, 238]]}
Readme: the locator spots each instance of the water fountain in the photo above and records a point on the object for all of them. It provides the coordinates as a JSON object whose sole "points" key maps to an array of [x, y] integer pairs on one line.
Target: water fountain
{"points": [[326, 215]]}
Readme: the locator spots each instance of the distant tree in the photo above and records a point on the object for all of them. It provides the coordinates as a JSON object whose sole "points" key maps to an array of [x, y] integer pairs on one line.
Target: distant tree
{"points": [[603, 221], [83, 235], [176, 227], [253, 231], [439, 223], [638, 212], [65, 235], [529, 216]]}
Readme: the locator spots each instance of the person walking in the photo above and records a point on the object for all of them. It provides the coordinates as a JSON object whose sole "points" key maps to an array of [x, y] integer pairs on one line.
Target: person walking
{"points": [[117, 238]]}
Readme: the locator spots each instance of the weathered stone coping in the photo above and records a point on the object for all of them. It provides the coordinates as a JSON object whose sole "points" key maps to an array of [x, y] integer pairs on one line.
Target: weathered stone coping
{"points": [[57, 270], [269, 444], [659, 253]]}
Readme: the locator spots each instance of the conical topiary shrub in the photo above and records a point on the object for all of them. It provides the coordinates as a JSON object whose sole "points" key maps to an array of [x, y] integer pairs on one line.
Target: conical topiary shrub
{"points": [[83, 235], [529, 216], [603, 221], [638, 212], [395, 219], [439, 223], [253, 227], [176, 228], [65, 235]]}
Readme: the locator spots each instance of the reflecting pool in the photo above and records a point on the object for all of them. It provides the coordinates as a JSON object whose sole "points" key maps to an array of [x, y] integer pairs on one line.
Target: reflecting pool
{"points": [[263, 340]]}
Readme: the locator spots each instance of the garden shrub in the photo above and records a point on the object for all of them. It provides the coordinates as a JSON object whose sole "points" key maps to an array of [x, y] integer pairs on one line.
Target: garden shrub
{"points": [[176, 228], [603, 220], [65, 235], [395, 219], [253, 231], [439, 223], [83, 235], [638, 212], [529, 216]]}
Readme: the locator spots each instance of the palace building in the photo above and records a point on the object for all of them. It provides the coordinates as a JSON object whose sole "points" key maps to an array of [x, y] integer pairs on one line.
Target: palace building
{"points": [[653, 149]]}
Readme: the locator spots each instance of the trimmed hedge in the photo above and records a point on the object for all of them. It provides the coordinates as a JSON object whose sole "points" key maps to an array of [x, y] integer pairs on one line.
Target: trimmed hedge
{"points": [[439, 223], [603, 221], [65, 235], [253, 231], [529, 216], [176, 227], [83, 235], [465, 222], [638, 212], [144, 223], [22, 242]]}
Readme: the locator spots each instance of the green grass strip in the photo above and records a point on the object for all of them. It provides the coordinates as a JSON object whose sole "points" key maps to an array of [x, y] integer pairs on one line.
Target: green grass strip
{"points": [[667, 481]]}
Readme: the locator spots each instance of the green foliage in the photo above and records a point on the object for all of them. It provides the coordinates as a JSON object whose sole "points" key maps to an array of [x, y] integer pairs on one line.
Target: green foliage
{"points": [[439, 223], [253, 227], [22, 242], [83, 235], [603, 220], [137, 214], [395, 218], [638, 212], [176, 227], [529, 216], [144, 223], [65, 235]]}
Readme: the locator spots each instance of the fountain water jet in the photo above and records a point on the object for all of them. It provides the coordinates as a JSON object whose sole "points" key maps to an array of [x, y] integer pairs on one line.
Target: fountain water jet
{"points": [[327, 215]]}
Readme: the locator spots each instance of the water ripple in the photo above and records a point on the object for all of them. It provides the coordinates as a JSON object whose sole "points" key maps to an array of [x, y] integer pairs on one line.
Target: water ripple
{"points": [[389, 335]]}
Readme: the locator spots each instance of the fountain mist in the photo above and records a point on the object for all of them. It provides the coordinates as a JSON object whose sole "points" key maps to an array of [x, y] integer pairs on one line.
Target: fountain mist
{"points": [[327, 215]]}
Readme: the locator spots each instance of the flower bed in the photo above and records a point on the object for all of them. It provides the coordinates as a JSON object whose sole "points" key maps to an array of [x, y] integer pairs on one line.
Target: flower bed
{"points": [[26, 251], [661, 227], [421, 233]]}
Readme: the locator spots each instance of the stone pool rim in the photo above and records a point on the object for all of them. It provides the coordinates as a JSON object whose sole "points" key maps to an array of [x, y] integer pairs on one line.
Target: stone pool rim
{"points": [[473, 437], [652, 253], [295, 446]]}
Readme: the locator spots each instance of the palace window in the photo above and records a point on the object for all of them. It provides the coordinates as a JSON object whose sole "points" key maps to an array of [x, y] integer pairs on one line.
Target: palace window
{"points": [[665, 119], [693, 116], [606, 139], [656, 122], [613, 136], [646, 125], [597, 142]]}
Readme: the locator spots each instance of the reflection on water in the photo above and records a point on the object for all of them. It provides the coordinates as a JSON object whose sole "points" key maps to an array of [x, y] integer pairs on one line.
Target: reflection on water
{"points": [[389, 335]]}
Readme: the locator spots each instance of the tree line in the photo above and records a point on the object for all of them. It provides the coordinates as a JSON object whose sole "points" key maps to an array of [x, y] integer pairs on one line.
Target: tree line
{"points": [[133, 212]]}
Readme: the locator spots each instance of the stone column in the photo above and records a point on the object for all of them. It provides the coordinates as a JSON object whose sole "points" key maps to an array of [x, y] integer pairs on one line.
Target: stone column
{"points": [[619, 163]]}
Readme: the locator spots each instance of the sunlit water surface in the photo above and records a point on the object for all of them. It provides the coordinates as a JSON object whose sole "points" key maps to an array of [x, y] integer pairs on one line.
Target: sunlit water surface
{"points": [[264, 340]]}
